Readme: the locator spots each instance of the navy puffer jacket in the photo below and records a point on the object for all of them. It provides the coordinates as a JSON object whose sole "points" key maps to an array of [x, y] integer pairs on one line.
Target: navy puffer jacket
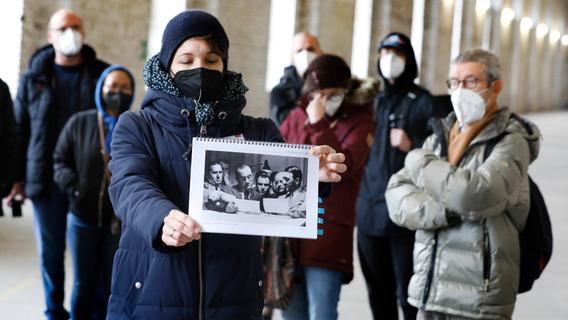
{"points": [[219, 276], [35, 110]]}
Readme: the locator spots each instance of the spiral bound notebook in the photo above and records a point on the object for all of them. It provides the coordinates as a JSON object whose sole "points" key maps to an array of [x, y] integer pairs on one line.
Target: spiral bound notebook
{"points": [[254, 188]]}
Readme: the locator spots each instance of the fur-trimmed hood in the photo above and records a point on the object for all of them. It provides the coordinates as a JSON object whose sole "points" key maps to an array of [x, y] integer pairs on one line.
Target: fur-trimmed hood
{"points": [[362, 91]]}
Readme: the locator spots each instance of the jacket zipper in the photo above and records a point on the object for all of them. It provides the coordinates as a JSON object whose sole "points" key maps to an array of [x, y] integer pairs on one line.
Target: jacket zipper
{"points": [[431, 271], [486, 258], [200, 282]]}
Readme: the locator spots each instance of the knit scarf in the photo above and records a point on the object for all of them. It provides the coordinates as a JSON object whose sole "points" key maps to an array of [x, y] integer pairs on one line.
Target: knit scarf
{"points": [[157, 78], [460, 139]]}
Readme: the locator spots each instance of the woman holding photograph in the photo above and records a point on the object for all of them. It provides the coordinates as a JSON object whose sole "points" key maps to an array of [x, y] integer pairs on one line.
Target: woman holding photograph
{"points": [[165, 268], [336, 111]]}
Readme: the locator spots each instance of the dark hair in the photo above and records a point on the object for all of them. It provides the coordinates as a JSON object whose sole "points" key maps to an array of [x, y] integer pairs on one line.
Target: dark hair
{"points": [[326, 71], [295, 171]]}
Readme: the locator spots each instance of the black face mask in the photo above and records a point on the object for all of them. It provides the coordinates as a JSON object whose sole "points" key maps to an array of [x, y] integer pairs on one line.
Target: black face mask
{"points": [[203, 85], [117, 101]]}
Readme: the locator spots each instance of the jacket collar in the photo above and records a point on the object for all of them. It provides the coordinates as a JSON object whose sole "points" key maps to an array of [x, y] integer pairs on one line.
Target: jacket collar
{"points": [[41, 63]]}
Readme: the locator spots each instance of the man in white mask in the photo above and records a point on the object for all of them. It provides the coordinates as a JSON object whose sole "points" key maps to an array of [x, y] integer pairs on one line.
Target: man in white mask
{"points": [[402, 111], [466, 193], [60, 81], [283, 97]]}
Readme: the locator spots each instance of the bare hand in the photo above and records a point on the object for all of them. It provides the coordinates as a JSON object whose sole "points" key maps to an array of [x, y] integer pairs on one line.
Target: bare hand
{"points": [[316, 108], [17, 190], [399, 139], [179, 229], [331, 163]]}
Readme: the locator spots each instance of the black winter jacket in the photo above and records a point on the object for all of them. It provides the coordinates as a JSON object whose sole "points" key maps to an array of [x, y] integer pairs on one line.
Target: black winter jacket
{"points": [[79, 168], [36, 112], [384, 160], [8, 141], [285, 95]]}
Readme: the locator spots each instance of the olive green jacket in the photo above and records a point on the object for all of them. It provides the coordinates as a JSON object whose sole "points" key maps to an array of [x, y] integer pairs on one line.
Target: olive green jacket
{"points": [[466, 253]]}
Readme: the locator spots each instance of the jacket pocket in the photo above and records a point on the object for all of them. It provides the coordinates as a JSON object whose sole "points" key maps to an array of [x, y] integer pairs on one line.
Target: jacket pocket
{"points": [[129, 277], [486, 258]]}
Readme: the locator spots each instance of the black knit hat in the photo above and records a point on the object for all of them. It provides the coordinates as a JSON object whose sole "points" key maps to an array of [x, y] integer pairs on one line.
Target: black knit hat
{"points": [[327, 71], [188, 24]]}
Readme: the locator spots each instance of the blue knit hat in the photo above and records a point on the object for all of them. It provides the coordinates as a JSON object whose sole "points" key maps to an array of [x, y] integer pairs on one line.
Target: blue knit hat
{"points": [[188, 24]]}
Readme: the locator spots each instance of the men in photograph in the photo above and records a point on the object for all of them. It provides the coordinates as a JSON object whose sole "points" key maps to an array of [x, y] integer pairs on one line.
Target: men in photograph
{"points": [[263, 184], [296, 193], [281, 183], [244, 189], [59, 82], [283, 97], [216, 194]]}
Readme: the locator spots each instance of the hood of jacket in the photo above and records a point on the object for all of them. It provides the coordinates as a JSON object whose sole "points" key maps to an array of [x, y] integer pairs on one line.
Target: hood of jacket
{"points": [[99, 89], [362, 91], [41, 61], [410, 68], [177, 113]]}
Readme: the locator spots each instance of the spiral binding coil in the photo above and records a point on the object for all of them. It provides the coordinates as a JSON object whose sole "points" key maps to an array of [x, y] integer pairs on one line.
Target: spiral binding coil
{"points": [[257, 143]]}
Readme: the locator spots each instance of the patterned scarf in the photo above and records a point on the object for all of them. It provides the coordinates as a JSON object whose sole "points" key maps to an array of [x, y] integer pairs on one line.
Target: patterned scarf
{"points": [[157, 78]]}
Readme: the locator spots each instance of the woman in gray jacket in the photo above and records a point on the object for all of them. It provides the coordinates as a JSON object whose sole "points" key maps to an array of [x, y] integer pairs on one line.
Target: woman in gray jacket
{"points": [[467, 208]]}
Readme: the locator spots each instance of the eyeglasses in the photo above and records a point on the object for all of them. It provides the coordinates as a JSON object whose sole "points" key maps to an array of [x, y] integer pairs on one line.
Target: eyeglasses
{"points": [[468, 83]]}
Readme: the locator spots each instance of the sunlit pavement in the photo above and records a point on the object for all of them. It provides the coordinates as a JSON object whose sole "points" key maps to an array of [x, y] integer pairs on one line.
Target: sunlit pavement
{"points": [[21, 292]]}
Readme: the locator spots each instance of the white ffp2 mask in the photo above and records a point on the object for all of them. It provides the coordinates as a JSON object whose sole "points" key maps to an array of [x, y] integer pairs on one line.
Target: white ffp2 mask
{"points": [[302, 59], [69, 42], [392, 66], [469, 105], [332, 104]]}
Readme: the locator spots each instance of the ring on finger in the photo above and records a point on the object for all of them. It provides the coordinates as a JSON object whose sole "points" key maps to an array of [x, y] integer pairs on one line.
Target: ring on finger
{"points": [[171, 233]]}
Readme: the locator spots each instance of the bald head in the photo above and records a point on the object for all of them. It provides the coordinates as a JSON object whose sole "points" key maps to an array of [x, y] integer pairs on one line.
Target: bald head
{"points": [[305, 41], [63, 19]]}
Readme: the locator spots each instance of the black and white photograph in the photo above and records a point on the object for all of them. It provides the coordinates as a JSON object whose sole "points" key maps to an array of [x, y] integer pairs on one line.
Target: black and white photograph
{"points": [[266, 187]]}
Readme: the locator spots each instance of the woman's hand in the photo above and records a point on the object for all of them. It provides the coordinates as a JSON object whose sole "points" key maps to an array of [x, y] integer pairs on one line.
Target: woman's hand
{"points": [[331, 163], [316, 108], [179, 229]]}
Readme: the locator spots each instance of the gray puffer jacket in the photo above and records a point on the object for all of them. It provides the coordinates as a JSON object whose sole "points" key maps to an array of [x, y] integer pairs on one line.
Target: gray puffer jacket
{"points": [[466, 254]]}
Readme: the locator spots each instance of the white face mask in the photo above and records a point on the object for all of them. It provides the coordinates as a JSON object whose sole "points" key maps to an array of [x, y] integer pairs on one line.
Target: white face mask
{"points": [[302, 59], [392, 66], [469, 105], [68, 42], [332, 104]]}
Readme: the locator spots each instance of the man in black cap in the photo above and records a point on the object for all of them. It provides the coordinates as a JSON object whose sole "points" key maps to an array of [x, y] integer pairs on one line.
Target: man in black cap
{"points": [[402, 112]]}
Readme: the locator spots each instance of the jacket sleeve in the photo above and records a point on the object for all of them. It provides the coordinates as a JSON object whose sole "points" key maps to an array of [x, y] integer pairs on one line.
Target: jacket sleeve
{"points": [[281, 103], [21, 113], [413, 207], [474, 193], [64, 168], [426, 110], [354, 146], [8, 140], [135, 194]]}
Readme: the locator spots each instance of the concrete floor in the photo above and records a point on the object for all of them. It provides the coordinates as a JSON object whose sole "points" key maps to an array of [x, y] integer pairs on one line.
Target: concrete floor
{"points": [[21, 292]]}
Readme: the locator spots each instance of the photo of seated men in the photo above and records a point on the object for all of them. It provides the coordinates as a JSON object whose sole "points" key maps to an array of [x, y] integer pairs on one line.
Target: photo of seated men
{"points": [[256, 189]]}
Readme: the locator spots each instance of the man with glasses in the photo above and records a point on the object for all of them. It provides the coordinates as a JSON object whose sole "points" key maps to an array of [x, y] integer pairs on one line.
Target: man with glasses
{"points": [[466, 194], [60, 81], [402, 111]]}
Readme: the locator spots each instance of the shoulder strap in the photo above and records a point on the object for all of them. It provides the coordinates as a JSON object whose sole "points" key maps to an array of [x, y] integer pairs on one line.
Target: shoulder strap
{"points": [[102, 139]]}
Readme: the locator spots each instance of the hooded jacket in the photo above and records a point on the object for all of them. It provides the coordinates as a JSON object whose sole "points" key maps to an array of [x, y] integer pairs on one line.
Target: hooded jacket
{"points": [[217, 277], [36, 109], [78, 160], [385, 160], [8, 141], [346, 132], [467, 217], [285, 95]]}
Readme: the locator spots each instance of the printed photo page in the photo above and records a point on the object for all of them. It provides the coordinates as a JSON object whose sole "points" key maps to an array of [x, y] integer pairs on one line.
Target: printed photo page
{"points": [[254, 188]]}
